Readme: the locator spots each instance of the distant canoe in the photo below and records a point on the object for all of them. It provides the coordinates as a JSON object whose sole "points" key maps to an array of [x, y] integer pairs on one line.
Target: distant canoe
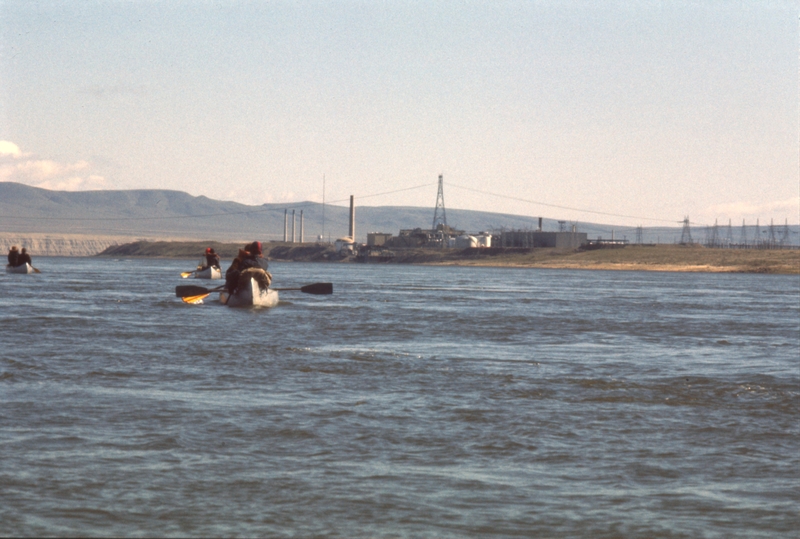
{"points": [[208, 273], [250, 296], [24, 268]]}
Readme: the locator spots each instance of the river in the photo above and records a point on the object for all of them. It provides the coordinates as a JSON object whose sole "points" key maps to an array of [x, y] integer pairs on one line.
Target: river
{"points": [[413, 402]]}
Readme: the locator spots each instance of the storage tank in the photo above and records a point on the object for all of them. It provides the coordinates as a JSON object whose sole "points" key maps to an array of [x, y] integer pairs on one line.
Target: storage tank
{"points": [[466, 242]]}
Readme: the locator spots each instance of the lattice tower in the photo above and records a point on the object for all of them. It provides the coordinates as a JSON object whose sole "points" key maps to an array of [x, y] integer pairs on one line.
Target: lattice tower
{"points": [[757, 236], [440, 218], [785, 234], [729, 239], [686, 233], [639, 235], [743, 237], [714, 240], [772, 239]]}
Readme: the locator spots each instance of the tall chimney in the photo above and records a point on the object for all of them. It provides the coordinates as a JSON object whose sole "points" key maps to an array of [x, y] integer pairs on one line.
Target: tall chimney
{"points": [[285, 224], [352, 219], [293, 222], [540, 224], [301, 226]]}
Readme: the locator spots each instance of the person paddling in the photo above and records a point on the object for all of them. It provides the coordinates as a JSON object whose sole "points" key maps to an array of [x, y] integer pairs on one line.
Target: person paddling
{"points": [[13, 256], [250, 263], [24, 258], [212, 259]]}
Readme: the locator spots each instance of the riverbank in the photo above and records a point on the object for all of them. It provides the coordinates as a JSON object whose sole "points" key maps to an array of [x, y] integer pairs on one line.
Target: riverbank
{"points": [[632, 258]]}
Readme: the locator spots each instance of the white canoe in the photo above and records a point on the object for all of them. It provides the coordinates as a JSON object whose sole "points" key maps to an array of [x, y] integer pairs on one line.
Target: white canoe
{"points": [[208, 273], [24, 268], [251, 296]]}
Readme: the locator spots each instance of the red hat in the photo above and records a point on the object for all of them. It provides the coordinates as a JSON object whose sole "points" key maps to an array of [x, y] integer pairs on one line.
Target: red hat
{"points": [[256, 247], [208, 250]]}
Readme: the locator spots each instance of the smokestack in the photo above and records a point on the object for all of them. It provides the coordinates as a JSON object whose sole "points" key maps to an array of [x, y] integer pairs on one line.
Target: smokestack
{"points": [[352, 219], [301, 226], [285, 224], [540, 224], [293, 222]]}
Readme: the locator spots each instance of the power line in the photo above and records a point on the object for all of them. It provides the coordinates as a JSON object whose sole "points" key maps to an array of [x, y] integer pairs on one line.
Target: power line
{"points": [[561, 207]]}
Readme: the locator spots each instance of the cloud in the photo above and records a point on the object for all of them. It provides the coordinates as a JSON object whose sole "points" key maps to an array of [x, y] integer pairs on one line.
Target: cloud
{"points": [[8, 148], [22, 167]]}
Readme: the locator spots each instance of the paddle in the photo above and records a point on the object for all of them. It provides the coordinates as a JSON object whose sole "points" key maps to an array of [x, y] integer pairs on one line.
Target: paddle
{"points": [[190, 290], [316, 288], [35, 270], [185, 274]]}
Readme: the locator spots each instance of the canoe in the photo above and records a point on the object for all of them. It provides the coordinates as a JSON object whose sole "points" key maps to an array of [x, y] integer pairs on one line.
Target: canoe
{"points": [[250, 296], [24, 268], [208, 273]]}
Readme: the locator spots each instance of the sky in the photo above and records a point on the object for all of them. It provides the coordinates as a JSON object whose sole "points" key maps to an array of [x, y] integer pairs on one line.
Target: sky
{"points": [[617, 112]]}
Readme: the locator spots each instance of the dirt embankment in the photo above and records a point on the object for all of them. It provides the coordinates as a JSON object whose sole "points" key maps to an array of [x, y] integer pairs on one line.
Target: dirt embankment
{"points": [[305, 252], [639, 258]]}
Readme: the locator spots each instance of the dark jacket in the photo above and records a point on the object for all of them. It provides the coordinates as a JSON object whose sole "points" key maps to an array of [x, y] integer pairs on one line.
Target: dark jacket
{"points": [[212, 259], [242, 262], [23, 258], [13, 258], [252, 261]]}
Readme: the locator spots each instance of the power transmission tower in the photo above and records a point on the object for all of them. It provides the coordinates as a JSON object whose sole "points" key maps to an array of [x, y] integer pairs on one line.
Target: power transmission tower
{"points": [[772, 239], [686, 234], [757, 236], [639, 234], [714, 240], [729, 239], [743, 237], [785, 235], [437, 218]]}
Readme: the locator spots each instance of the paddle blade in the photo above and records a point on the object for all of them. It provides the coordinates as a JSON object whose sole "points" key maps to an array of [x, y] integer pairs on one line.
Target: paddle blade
{"points": [[318, 288], [35, 270], [194, 300], [186, 274], [189, 290]]}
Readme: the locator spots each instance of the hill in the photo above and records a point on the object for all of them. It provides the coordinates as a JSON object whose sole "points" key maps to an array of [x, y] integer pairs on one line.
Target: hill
{"points": [[52, 220], [165, 214]]}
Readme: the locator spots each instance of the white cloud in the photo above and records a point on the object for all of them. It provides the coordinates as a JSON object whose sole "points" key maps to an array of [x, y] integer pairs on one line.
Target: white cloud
{"points": [[22, 167], [8, 148]]}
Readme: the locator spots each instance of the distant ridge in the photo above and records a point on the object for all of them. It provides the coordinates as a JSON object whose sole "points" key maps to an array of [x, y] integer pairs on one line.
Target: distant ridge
{"points": [[166, 214]]}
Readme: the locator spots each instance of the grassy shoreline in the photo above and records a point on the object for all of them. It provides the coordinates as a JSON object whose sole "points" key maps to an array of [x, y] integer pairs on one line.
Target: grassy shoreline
{"points": [[631, 258]]}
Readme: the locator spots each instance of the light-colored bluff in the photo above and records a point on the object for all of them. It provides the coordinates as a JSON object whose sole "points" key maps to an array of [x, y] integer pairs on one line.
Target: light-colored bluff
{"points": [[61, 245]]}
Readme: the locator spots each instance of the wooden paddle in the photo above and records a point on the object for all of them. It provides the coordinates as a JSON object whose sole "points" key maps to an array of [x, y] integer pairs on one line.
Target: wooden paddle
{"points": [[35, 270], [185, 274], [191, 291]]}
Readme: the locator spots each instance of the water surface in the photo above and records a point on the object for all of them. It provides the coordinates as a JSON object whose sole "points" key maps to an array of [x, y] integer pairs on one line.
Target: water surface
{"points": [[414, 402]]}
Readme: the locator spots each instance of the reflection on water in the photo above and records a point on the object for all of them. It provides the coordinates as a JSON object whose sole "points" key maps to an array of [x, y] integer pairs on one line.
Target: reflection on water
{"points": [[414, 402]]}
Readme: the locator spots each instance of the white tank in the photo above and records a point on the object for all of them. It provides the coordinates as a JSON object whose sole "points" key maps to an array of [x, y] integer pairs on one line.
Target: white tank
{"points": [[466, 242]]}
